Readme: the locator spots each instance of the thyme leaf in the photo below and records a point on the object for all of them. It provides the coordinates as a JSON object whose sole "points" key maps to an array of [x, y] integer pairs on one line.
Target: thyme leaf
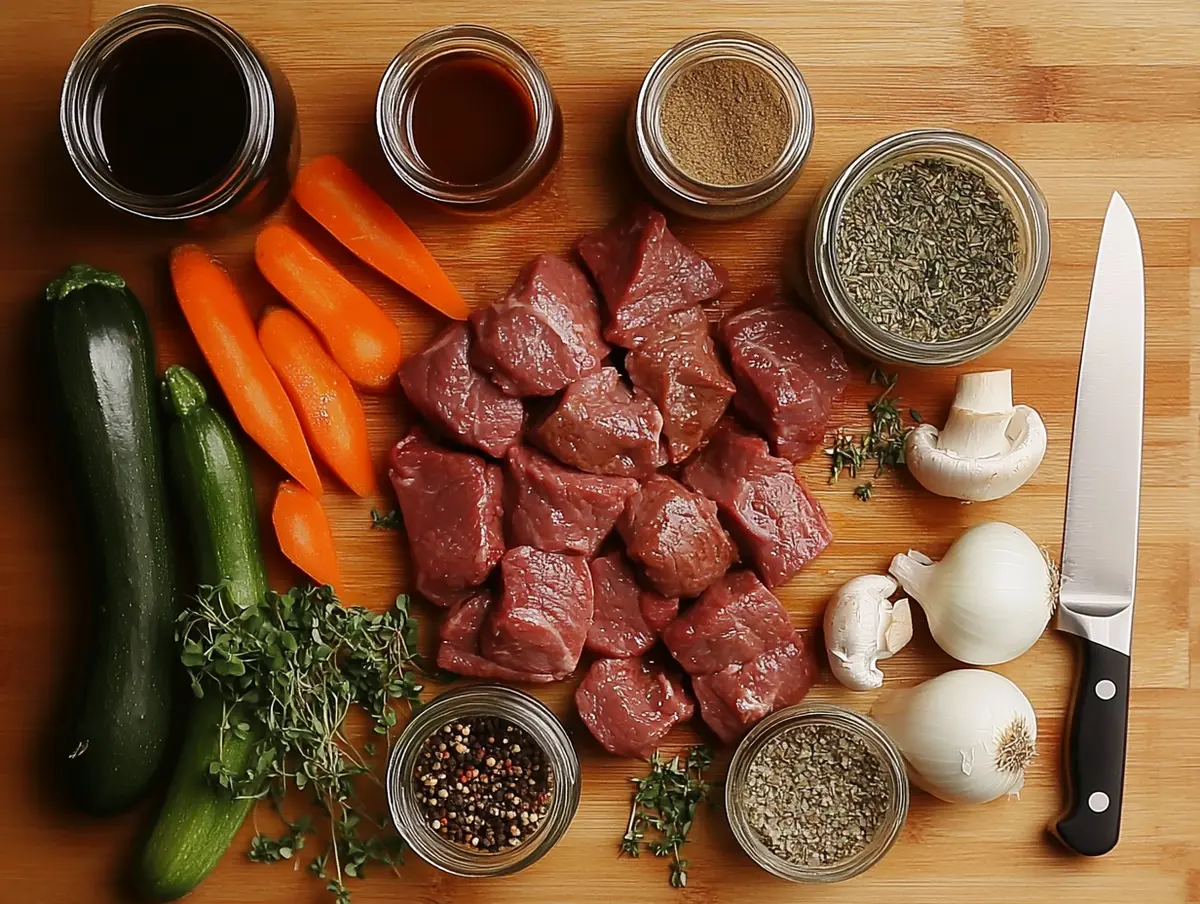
{"points": [[665, 803], [385, 520], [288, 673], [882, 443]]}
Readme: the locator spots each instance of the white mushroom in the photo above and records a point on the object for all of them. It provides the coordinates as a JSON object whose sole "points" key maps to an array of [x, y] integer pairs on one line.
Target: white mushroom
{"points": [[862, 627], [988, 449]]}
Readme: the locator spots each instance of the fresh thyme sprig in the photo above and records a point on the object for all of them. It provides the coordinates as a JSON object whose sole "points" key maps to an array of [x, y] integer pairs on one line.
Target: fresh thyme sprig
{"points": [[291, 670], [883, 443], [665, 802], [389, 520]]}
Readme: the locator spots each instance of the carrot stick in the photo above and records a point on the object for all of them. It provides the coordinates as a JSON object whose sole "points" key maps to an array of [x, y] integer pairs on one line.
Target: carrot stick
{"points": [[361, 337], [337, 198], [302, 528], [331, 413], [225, 333]]}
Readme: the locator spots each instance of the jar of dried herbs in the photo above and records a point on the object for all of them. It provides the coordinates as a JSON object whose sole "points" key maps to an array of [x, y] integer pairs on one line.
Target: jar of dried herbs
{"points": [[816, 793], [929, 248]]}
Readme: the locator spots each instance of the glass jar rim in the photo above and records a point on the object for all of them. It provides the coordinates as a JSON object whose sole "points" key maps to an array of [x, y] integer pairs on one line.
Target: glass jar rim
{"points": [[547, 732], [1020, 192], [700, 48], [398, 85], [80, 126], [842, 718]]}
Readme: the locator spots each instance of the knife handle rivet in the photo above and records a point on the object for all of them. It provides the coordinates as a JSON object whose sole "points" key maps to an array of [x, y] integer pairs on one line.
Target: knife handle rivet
{"points": [[1105, 689], [1097, 801]]}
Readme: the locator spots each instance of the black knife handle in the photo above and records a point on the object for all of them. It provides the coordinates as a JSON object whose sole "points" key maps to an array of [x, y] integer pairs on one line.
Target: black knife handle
{"points": [[1095, 755]]}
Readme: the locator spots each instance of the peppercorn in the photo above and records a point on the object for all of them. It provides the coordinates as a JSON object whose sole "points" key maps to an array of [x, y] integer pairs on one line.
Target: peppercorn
{"points": [[483, 784]]}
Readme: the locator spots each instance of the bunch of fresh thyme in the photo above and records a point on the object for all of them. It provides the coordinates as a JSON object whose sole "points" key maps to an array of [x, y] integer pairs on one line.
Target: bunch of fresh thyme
{"points": [[883, 443], [295, 666], [665, 801]]}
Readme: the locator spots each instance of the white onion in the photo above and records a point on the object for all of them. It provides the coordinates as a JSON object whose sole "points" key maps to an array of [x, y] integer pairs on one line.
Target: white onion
{"points": [[989, 599], [967, 735]]}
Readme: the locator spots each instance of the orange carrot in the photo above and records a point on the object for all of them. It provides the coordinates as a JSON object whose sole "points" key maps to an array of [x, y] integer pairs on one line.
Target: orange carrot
{"points": [[302, 528], [225, 333], [337, 198], [363, 340], [331, 413]]}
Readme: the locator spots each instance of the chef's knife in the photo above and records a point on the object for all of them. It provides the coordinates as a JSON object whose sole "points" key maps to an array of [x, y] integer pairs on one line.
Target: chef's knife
{"points": [[1100, 539]]}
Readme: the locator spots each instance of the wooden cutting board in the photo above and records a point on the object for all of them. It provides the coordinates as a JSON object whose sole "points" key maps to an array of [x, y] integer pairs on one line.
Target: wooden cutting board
{"points": [[1089, 97]]}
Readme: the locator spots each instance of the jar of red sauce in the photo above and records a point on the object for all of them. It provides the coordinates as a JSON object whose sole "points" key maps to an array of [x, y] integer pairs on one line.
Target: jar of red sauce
{"points": [[467, 119]]}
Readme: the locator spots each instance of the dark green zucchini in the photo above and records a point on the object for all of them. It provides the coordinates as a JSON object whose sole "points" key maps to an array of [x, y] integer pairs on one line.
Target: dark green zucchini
{"points": [[198, 820], [102, 355]]}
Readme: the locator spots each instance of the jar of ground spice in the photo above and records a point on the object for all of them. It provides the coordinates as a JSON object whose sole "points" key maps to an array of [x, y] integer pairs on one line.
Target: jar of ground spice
{"points": [[483, 781], [721, 126], [816, 793]]}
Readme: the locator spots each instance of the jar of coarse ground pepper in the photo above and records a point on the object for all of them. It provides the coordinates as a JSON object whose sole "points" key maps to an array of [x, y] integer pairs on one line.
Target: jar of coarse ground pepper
{"points": [[483, 782]]}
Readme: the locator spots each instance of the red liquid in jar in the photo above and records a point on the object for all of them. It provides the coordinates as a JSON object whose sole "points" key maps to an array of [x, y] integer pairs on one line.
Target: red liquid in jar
{"points": [[471, 120], [173, 112]]}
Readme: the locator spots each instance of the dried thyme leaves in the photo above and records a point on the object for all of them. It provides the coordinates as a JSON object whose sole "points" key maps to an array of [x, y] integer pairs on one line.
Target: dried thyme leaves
{"points": [[816, 795], [928, 250]]}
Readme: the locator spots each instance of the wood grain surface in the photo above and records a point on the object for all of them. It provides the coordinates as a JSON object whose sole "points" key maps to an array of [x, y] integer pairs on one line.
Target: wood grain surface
{"points": [[1089, 97]]}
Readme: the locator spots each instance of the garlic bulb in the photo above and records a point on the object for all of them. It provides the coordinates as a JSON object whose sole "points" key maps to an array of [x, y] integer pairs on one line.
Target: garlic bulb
{"points": [[989, 598], [967, 735]]}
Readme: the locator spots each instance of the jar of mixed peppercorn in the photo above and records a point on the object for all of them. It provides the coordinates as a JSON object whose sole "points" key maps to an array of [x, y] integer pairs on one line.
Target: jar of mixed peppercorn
{"points": [[483, 781]]}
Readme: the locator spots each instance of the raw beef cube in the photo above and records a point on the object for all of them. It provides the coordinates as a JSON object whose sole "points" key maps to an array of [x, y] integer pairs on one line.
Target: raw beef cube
{"points": [[675, 535], [778, 525], [678, 368], [627, 619], [629, 705], [736, 620], [736, 697], [604, 427], [789, 372], [453, 509], [458, 643], [558, 509], [644, 272], [455, 397], [541, 620], [544, 333]]}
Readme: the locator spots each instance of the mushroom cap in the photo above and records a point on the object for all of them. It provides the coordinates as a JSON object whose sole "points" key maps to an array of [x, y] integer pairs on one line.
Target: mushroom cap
{"points": [[948, 473], [862, 627]]}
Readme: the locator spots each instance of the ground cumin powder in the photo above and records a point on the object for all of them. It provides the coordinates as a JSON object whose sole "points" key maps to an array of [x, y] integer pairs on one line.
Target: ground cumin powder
{"points": [[725, 122]]}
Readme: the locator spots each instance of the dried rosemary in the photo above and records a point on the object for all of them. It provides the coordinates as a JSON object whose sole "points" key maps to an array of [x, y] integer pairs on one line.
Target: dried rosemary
{"points": [[928, 249]]}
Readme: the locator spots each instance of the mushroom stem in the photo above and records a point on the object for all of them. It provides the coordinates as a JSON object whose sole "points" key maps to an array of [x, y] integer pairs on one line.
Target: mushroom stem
{"points": [[977, 426]]}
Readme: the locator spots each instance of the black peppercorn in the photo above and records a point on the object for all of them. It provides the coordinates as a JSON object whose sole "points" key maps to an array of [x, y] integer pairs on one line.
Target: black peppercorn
{"points": [[471, 782]]}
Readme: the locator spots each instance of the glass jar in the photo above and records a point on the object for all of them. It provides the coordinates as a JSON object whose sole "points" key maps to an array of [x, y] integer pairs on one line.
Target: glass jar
{"points": [[527, 713], [835, 717], [832, 302], [393, 114], [672, 187], [260, 173]]}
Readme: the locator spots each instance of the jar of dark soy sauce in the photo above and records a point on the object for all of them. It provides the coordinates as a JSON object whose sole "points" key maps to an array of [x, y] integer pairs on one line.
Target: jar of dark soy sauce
{"points": [[170, 114]]}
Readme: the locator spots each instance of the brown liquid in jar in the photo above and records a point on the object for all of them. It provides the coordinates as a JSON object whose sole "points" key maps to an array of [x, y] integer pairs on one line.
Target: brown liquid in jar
{"points": [[173, 113], [471, 120]]}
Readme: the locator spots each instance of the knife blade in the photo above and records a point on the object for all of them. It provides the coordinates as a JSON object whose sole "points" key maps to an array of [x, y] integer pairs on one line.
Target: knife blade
{"points": [[1100, 538]]}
